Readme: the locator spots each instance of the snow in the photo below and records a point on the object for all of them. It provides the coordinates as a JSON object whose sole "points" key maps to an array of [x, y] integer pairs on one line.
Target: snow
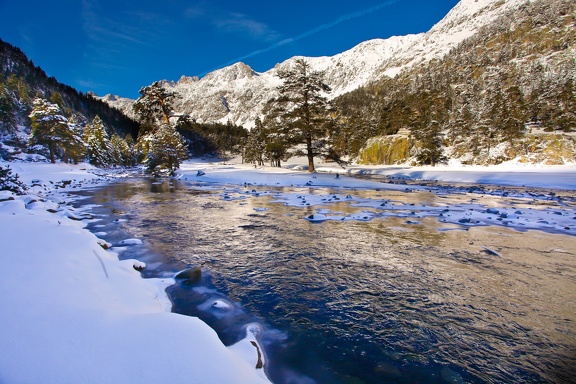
{"points": [[74, 313], [507, 174], [247, 175], [562, 177], [528, 203]]}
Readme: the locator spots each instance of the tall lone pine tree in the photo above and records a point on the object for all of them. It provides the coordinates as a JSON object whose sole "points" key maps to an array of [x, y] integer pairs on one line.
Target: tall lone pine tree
{"points": [[154, 103], [301, 111]]}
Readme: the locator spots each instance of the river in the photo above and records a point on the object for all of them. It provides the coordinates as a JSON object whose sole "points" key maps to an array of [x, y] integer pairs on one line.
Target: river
{"points": [[400, 297]]}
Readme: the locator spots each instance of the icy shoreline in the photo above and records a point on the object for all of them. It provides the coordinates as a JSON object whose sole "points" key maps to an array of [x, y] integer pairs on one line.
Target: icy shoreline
{"points": [[74, 313], [78, 314]]}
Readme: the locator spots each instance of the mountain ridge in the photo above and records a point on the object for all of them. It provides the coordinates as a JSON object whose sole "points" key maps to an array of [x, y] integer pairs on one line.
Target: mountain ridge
{"points": [[237, 93]]}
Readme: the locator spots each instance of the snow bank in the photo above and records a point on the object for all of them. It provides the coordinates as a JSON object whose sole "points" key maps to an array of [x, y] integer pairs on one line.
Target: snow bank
{"points": [[554, 177], [74, 313], [247, 175], [47, 173], [510, 174]]}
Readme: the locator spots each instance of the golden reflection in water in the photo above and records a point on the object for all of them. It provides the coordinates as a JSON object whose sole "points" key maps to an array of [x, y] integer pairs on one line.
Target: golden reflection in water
{"points": [[426, 287]]}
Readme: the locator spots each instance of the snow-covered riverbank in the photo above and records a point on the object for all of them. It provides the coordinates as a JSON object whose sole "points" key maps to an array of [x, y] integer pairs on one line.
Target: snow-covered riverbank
{"points": [[511, 175], [523, 197], [74, 313]]}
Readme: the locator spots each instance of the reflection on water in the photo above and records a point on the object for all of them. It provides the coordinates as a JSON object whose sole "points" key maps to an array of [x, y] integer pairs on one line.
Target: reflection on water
{"points": [[361, 302]]}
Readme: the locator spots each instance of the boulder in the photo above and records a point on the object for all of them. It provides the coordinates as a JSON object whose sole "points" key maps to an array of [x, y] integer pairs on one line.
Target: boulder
{"points": [[190, 275]]}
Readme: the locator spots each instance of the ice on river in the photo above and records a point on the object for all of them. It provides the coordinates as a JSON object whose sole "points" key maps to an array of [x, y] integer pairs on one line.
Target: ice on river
{"points": [[520, 207]]}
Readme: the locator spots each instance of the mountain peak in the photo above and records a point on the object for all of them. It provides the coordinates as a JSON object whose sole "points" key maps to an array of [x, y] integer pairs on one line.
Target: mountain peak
{"points": [[237, 93], [232, 72]]}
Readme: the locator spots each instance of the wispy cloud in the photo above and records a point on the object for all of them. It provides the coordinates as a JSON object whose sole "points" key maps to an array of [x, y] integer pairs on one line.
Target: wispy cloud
{"points": [[313, 31], [232, 22], [111, 38], [240, 23], [103, 29], [194, 12], [91, 84]]}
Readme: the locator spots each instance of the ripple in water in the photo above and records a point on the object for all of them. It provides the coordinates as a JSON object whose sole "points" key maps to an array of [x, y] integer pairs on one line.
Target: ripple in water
{"points": [[384, 300]]}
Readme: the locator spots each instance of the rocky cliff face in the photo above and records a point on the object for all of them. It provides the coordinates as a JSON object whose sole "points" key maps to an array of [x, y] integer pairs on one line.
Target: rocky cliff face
{"points": [[535, 148], [237, 94], [391, 149]]}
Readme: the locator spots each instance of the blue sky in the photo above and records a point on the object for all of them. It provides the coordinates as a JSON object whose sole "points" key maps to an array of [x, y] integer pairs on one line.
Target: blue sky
{"points": [[118, 46]]}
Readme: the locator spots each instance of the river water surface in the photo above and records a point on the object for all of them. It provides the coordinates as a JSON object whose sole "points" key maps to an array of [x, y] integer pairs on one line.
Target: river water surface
{"points": [[387, 300]]}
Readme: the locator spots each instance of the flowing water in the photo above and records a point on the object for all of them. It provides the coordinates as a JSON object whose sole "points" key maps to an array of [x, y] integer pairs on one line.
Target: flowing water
{"points": [[379, 301]]}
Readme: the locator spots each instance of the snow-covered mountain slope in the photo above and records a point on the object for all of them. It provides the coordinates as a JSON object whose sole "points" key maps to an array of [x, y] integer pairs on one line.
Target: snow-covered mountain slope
{"points": [[237, 93], [122, 103]]}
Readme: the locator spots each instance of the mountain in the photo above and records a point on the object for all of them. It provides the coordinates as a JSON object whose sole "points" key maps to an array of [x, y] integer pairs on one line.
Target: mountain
{"points": [[21, 81], [237, 93], [493, 81], [505, 93]]}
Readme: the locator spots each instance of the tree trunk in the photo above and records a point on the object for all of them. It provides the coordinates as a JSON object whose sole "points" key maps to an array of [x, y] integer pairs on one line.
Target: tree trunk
{"points": [[52, 156], [310, 154], [311, 167]]}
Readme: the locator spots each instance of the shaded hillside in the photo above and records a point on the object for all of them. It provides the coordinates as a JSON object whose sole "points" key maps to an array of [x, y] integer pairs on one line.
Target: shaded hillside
{"points": [[506, 92], [21, 81]]}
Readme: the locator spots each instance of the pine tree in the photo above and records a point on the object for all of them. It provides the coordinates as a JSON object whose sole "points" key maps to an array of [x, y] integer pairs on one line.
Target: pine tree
{"points": [[49, 128], [154, 104], [129, 153], [301, 110], [74, 147], [10, 181], [56, 98], [167, 149], [118, 150], [255, 146], [565, 117], [7, 110], [430, 151], [161, 145], [98, 147], [20, 88]]}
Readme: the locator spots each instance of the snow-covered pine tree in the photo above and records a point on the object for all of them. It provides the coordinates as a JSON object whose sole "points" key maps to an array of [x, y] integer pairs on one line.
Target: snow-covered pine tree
{"points": [[98, 147], [118, 150], [50, 128], [167, 149], [255, 146], [74, 147], [10, 181]]}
